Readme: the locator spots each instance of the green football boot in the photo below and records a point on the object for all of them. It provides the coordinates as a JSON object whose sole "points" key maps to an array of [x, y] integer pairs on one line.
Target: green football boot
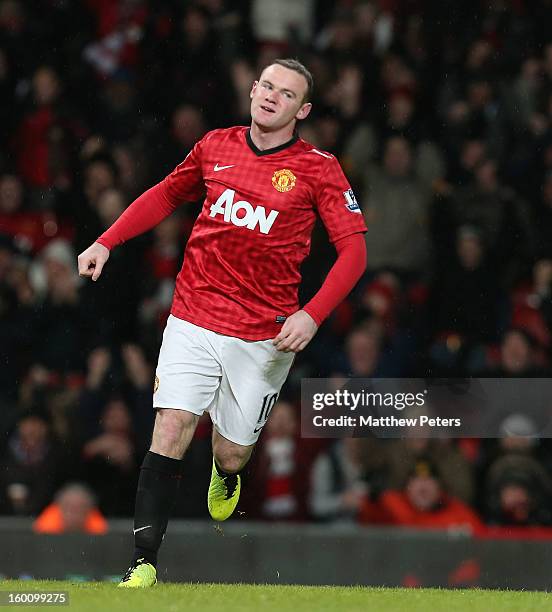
{"points": [[223, 495], [140, 575]]}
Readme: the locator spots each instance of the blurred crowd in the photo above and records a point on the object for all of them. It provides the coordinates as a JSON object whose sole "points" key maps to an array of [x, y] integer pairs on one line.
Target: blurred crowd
{"points": [[441, 115]]}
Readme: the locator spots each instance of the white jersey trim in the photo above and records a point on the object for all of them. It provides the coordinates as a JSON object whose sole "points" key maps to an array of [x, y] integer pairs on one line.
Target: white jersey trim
{"points": [[326, 155]]}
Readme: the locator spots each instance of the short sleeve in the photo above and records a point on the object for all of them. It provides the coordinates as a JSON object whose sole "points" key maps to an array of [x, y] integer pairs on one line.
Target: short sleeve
{"points": [[185, 183], [336, 203]]}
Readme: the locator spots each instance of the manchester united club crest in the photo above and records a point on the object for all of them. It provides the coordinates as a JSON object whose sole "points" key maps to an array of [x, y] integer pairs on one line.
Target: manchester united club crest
{"points": [[283, 180]]}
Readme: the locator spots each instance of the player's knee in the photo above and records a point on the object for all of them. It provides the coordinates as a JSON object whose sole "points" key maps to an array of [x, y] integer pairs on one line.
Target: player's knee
{"points": [[231, 462], [172, 429], [171, 421]]}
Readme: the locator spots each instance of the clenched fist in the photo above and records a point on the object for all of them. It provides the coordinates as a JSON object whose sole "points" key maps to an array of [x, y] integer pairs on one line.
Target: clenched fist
{"points": [[296, 333], [92, 261]]}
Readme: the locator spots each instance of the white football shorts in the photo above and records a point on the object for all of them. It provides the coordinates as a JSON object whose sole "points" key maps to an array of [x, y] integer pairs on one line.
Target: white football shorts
{"points": [[236, 381]]}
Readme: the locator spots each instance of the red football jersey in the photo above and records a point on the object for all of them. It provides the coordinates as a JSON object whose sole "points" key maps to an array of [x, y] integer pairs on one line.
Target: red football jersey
{"points": [[241, 267], [240, 274]]}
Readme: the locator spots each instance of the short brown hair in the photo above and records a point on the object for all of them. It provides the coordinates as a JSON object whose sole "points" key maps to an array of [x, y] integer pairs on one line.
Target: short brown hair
{"points": [[297, 66]]}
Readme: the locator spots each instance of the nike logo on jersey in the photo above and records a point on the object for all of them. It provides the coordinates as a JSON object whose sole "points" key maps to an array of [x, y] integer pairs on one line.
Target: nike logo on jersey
{"points": [[218, 168], [242, 213], [141, 528]]}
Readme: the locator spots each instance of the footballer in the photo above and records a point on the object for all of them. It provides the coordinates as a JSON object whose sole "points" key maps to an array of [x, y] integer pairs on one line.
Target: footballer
{"points": [[235, 322]]}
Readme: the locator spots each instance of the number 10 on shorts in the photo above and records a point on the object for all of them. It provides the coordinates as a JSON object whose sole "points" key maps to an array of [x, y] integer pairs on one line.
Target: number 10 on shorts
{"points": [[268, 403]]}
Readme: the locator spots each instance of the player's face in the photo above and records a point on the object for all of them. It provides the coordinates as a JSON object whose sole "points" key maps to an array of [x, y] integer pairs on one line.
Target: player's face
{"points": [[277, 98]]}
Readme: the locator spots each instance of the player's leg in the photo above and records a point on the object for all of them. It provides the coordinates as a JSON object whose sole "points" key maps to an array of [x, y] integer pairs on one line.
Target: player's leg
{"points": [[229, 459], [186, 383], [252, 375], [159, 479], [158, 484]]}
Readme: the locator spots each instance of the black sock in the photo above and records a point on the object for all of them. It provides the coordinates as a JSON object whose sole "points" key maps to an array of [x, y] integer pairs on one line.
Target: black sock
{"points": [[157, 488]]}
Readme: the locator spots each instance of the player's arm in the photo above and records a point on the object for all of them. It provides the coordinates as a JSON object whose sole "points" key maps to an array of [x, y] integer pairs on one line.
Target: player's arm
{"points": [[144, 213], [300, 327], [184, 184], [342, 218]]}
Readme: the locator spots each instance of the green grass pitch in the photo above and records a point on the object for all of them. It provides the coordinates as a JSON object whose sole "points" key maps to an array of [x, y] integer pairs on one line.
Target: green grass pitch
{"points": [[267, 598]]}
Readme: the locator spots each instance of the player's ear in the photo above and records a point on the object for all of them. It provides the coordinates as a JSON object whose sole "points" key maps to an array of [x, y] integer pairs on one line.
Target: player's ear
{"points": [[304, 111], [255, 83]]}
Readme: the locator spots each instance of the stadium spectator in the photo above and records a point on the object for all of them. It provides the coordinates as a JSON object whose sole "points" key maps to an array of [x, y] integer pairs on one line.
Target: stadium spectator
{"points": [[111, 461], [396, 207], [423, 503], [162, 262], [276, 24], [117, 297], [363, 350], [390, 462], [186, 128], [531, 304], [32, 467], [99, 173], [127, 381], [16, 300], [337, 485], [518, 356], [465, 294], [11, 194], [364, 144], [73, 511], [370, 352], [60, 327], [131, 163], [30, 229], [473, 152], [280, 470], [118, 113], [46, 137], [518, 492], [381, 299], [503, 219]]}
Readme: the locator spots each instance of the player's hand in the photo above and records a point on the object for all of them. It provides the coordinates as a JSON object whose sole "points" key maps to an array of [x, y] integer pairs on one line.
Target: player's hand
{"points": [[92, 261], [296, 332]]}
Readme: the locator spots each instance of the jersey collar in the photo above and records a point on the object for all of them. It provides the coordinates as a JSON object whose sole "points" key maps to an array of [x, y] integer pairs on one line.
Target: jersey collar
{"points": [[281, 147]]}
